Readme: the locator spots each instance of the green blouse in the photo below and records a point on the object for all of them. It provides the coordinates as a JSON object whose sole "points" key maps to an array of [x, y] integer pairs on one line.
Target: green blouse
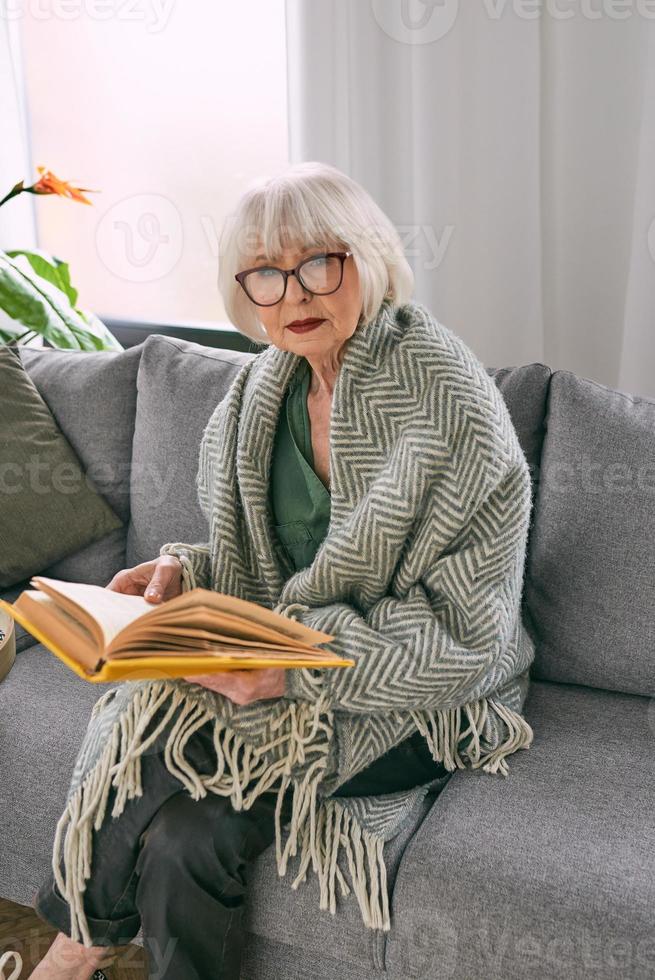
{"points": [[300, 501]]}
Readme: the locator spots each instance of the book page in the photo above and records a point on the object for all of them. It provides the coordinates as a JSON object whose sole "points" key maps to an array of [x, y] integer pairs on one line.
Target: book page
{"points": [[112, 611], [190, 636], [200, 618], [58, 629], [225, 652], [111, 614], [250, 614]]}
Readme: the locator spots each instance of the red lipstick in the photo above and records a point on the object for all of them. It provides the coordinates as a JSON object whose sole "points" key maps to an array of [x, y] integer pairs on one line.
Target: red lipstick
{"points": [[304, 326]]}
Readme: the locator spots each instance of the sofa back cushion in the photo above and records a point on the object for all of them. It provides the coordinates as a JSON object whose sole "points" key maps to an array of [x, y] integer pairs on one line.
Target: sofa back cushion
{"points": [[48, 506], [179, 383], [591, 565], [525, 392], [92, 395]]}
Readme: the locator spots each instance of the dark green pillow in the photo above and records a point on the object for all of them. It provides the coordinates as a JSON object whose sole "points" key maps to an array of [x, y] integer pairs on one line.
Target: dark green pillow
{"points": [[48, 506]]}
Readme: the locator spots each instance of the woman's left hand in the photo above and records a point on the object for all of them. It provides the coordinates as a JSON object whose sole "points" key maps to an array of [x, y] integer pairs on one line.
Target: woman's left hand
{"points": [[244, 686]]}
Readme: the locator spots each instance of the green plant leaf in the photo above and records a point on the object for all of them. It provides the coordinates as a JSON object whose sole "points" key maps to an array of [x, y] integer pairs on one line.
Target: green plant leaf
{"points": [[17, 337], [52, 269], [104, 338], [42, 303]]}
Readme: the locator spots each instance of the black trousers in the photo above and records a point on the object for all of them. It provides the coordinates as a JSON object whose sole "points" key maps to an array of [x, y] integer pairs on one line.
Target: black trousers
{"points": [[178, 867]]}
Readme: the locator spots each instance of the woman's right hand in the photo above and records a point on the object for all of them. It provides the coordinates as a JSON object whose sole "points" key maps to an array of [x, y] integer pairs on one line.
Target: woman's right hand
{"points": [[157, 580]]}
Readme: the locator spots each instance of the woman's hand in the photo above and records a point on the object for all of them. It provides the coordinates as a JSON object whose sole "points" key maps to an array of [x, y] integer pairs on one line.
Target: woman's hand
{"points": [[244, 686], [161, 579], [156, 580]]}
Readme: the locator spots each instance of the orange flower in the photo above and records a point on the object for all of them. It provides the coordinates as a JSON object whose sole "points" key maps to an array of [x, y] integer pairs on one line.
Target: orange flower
{"points": [[49, 184]]}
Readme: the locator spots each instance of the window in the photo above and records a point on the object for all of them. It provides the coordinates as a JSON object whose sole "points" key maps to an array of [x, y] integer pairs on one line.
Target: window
{"points": [[169, 110]]}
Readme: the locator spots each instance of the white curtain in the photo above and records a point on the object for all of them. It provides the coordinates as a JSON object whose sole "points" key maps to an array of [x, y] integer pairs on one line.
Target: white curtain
{"points": [[17, 220], [514, 148], [17, 227]]}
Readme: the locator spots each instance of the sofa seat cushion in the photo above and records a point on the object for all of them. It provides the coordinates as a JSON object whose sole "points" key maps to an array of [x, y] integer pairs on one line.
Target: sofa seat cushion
{"points": [[265, 959], [279, 913], [549, 871], [45, 709]]}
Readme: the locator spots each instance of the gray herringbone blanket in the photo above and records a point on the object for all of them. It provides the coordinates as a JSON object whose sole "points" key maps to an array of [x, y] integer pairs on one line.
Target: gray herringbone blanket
{"points": [[419, 578]]}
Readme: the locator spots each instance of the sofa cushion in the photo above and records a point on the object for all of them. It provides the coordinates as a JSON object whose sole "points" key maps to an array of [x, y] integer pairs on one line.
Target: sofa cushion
{"points": [[49, 508], [265, 959], [45, 709], [548, 872], [92, 394], [279, 913], [525, 392], [591, 562], [180, 383]]}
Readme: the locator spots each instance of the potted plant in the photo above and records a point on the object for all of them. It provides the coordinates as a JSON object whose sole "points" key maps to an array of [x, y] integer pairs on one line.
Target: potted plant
{"points": [[36, 291]]}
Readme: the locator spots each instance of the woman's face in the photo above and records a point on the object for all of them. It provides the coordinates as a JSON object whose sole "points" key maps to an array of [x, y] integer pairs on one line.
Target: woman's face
{"points": [[340, 311]]}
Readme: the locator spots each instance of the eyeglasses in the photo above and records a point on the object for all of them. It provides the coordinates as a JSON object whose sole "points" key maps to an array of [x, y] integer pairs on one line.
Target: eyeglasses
{"points": [[319, 274]]}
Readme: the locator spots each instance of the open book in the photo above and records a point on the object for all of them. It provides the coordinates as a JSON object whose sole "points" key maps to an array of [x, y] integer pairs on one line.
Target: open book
{"points": [[104, 635]]}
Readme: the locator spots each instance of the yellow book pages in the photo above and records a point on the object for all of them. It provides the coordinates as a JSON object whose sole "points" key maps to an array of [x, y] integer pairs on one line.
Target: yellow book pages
{"points": [[104, 611], [155, 668], [56, 621], [110, 614], [190, 648], [46, 641], [202, 616]]}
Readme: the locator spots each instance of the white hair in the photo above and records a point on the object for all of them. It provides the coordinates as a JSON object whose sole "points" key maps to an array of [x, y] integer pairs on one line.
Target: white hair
{"points": [[311, 204]]}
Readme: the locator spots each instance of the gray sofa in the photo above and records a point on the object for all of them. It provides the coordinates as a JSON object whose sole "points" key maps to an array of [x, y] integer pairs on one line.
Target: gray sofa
{"points": [[549, 872]]}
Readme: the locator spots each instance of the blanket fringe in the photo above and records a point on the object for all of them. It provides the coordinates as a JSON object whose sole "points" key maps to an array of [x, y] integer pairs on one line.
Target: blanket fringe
{"points": [[336, 828], [317, 828], [443, 730]]}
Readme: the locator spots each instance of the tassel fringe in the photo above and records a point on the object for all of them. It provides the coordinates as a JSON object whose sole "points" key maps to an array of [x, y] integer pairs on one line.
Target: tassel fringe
{"points": [[184, 554], [317, 828], [442, 730]]}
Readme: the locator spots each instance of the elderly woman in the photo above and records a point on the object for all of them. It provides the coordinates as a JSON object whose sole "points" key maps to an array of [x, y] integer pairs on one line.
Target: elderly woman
{"points": [[362, 475]]}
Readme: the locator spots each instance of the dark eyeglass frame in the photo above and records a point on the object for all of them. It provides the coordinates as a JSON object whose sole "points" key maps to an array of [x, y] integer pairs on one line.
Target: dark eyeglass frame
{"points": [[240, 276]]}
